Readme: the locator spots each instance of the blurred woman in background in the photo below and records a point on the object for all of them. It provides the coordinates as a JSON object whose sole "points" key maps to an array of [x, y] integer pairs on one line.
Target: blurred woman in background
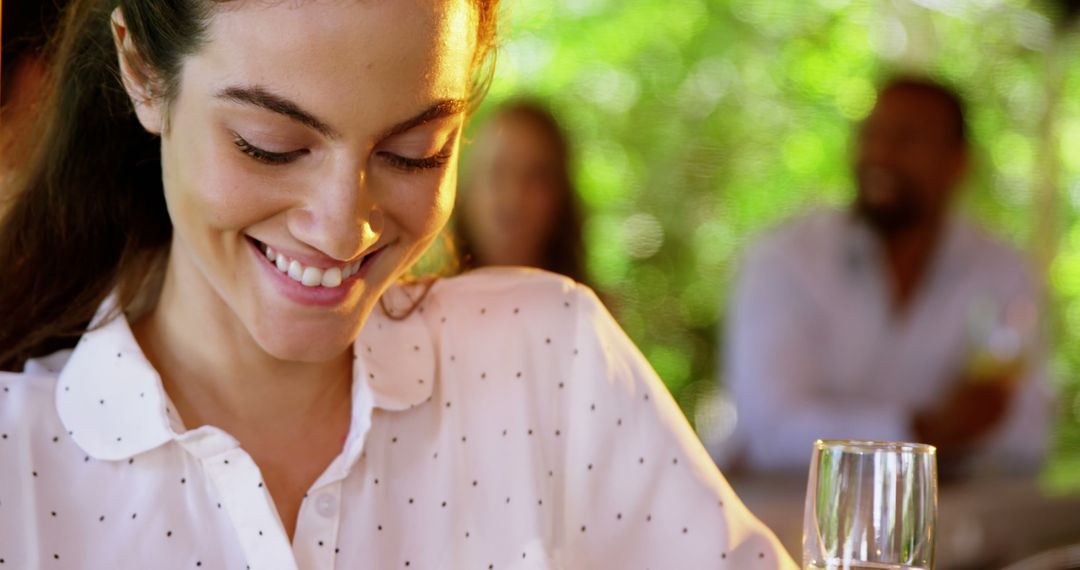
{"points": [[518, 205]]}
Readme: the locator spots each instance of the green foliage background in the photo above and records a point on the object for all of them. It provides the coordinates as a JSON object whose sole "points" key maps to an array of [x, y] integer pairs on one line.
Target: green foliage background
{"points": [[699, 123]]}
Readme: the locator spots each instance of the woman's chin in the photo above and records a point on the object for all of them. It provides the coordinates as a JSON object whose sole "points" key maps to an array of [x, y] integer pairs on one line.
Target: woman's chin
{"points": [[306, 342], [304, 334], [308, 350]]}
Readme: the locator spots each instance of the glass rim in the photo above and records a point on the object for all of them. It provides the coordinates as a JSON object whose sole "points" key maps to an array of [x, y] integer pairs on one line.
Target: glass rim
{"points": [[873, 446]]}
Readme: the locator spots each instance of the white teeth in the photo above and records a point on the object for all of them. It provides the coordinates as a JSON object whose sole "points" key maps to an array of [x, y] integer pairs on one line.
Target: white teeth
{"points": [[331, 277], [311, 276], [296, 271]]}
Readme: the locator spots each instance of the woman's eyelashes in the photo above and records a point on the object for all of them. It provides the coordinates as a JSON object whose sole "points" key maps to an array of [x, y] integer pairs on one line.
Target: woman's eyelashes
{"points": [[266, 156], [407, 164], [397, 161]]}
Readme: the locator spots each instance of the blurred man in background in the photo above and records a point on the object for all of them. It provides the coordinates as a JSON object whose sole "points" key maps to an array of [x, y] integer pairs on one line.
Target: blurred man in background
{"points": [[895, 319]]}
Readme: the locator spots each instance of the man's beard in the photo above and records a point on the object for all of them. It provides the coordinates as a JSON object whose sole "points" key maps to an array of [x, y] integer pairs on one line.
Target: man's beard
{"points": [[896, 212]]}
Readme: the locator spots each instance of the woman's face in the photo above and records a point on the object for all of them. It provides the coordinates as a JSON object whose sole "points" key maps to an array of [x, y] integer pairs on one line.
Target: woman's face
{"points": [[309, 159], [514, 193]]}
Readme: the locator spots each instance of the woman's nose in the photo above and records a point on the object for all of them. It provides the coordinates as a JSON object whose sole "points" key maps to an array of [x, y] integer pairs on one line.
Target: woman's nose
{"points": [[340, 218]]}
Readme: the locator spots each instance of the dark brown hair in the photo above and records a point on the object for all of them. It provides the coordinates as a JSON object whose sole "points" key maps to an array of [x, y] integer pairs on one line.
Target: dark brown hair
{"points": [[24, 30], [565, 251], [84, 214]]}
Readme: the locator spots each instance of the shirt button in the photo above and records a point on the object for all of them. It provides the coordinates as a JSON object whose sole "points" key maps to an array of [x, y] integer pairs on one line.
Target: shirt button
{"points": [[326, 505]]}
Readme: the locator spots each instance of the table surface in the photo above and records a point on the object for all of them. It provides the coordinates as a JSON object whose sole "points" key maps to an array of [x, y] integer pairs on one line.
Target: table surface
{"points": [[982, 524]]}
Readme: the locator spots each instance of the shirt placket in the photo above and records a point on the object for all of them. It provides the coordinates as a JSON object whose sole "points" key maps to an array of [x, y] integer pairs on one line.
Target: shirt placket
{"points": [[244, 498], [316, 539]]}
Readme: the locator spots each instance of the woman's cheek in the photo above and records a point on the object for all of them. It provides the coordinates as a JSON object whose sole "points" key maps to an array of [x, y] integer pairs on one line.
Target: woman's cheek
{"points": [[204, 187], [420, 204], [240, 198], [445, 199], [231, 194]]}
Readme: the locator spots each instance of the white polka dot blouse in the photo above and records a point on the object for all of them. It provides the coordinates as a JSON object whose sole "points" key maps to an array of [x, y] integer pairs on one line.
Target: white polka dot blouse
{"points": [[507, 423]]}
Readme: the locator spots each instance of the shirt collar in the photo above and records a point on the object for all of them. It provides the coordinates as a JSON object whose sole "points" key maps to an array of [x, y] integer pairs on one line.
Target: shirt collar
{"points": [[112, 401], [397, 353], [108, 396], [862, 247]]}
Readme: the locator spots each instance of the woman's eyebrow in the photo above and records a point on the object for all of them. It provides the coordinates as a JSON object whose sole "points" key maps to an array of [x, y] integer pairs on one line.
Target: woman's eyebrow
{"points": [[440, 109], [261, 97]]}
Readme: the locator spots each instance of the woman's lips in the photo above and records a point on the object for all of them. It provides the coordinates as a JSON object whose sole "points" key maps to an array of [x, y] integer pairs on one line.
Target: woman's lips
{"points": [[314, 286], [309, 276]]}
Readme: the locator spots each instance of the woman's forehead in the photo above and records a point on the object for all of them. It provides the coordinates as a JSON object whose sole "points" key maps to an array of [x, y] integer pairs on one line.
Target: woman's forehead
{"points": [[342, 56]]}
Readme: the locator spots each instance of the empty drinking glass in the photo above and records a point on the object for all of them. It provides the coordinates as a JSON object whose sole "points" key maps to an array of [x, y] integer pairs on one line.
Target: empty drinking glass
{"points": [[870, 505]]}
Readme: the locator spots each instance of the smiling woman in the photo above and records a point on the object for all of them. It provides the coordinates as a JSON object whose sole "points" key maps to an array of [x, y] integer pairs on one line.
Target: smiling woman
{"points": [[217, 199]]}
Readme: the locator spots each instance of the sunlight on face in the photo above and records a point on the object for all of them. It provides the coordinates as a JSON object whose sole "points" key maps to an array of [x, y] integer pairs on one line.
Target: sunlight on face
{"points": [[326, 131]]}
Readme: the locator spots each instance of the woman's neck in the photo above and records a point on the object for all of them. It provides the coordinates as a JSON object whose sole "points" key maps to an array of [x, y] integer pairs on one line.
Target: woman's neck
{"points": [[291, 417], [216, 373]]}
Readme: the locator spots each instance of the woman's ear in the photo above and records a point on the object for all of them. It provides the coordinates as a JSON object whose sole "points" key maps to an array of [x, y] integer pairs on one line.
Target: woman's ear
{"points": [[137, 78]]}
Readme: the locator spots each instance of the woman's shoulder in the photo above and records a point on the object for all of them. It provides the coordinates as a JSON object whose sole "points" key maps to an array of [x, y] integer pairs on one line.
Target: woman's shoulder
{"points": [[515, 290], [509, 281], [509, 306]]}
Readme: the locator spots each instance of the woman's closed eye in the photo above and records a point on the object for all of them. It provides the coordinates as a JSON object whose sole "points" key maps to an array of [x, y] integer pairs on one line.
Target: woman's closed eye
{"points": [[408, 164], [398, 159], [266, 156], [423, 149]]}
